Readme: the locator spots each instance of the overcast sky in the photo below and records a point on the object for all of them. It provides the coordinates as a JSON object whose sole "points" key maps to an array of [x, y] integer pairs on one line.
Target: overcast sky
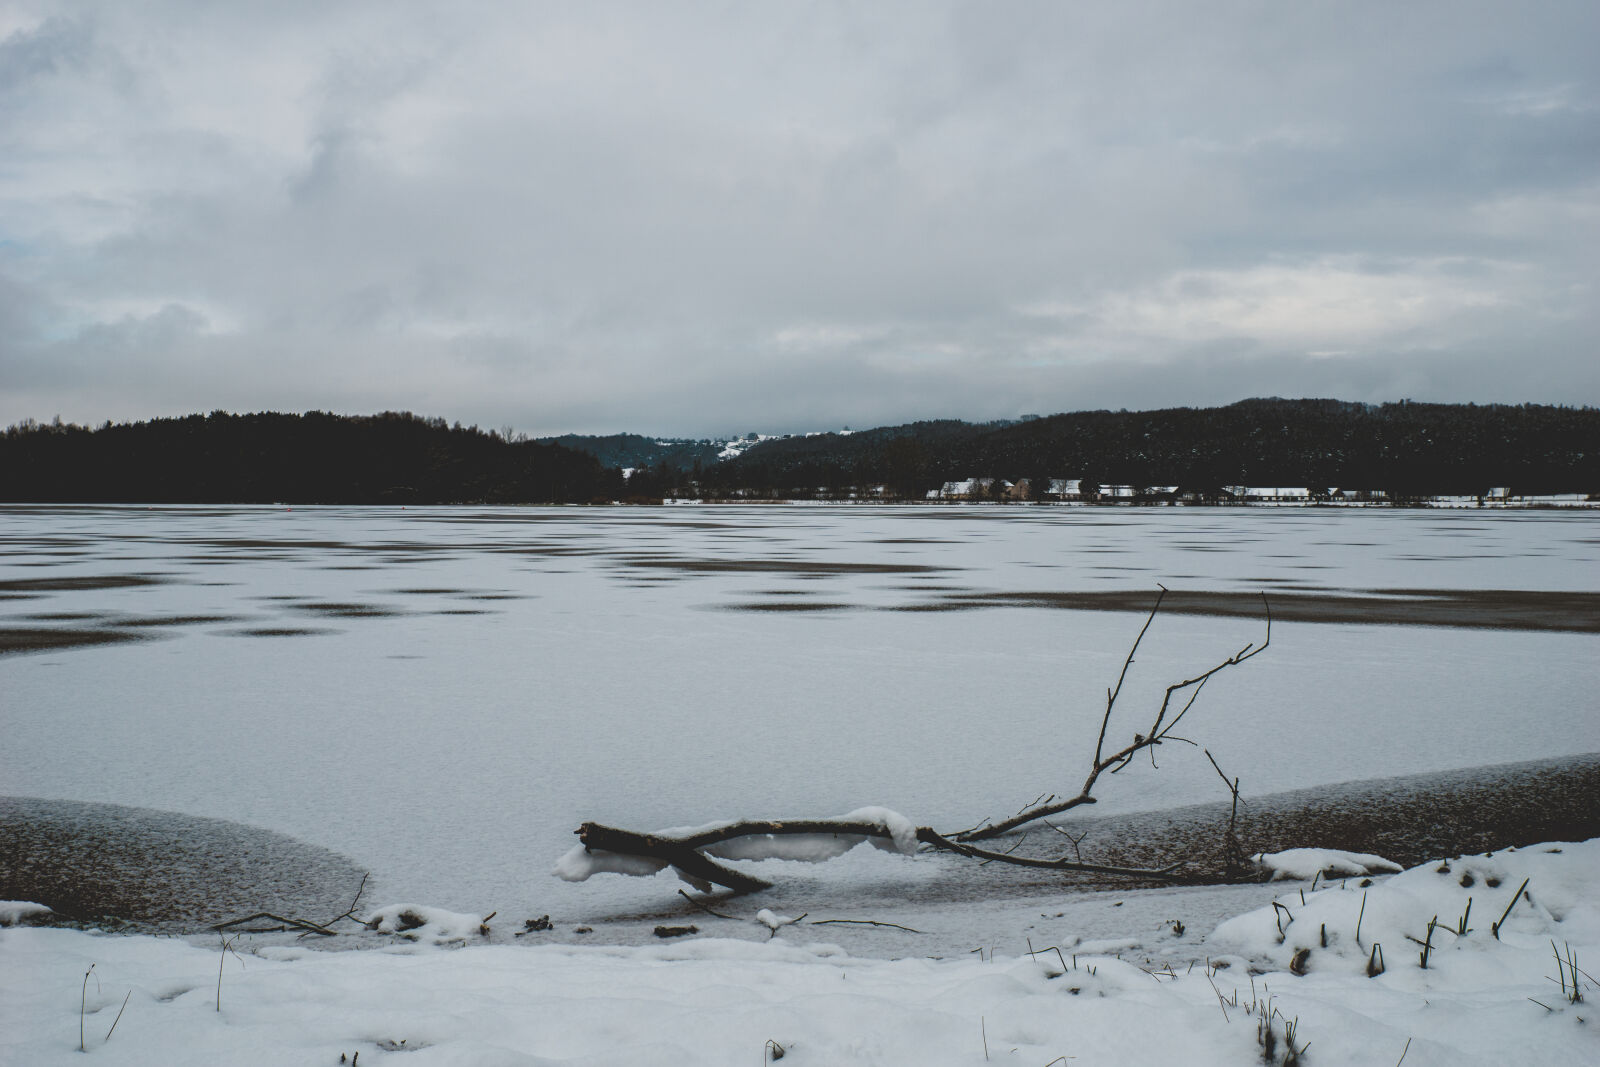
{"points": [[693, 219]]}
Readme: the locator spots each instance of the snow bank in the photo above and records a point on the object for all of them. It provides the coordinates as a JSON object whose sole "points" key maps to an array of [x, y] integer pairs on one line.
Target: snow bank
{"points": [[415, 922], [1339, 926], [1480, 1000], [13, 912], [1306, 863]]}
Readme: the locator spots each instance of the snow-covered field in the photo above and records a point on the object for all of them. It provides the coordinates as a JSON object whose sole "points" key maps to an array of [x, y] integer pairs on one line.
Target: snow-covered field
{"points": [[1299, 973]]}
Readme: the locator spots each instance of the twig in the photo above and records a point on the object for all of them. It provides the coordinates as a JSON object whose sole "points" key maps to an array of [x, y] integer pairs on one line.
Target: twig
{"points": [[118, 1019], [1076, 841], [299, 924], [350, 912], [705, 909], [1235, 851], [227, 947], [1495, 927], [83, 1003], [862, 922], [1403, 1052], [306, 925]]}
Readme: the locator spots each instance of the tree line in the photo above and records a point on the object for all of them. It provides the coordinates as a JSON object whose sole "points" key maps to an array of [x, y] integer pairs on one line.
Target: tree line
{"points": [[1404, 449], [314, 458]]}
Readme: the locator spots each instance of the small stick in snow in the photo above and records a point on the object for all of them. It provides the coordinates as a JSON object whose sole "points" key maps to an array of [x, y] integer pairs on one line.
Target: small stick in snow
{"points": [[118, 1019], [227, 947], [863, 922], [83, 1003], [1495, 928]]}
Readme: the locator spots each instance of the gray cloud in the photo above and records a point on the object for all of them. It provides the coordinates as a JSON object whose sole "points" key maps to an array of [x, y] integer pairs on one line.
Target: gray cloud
{"points": [[698, 218]]}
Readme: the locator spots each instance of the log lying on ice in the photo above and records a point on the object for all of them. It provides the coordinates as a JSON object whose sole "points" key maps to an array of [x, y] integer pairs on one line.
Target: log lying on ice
{"points": [[694, 852]]}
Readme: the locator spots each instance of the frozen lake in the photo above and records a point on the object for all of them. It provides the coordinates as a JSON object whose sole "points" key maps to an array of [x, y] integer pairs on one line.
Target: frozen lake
{"points": [[444, 694]]}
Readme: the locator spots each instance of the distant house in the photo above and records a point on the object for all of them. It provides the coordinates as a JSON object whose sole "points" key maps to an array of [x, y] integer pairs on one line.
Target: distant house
{"points": [[1275, 495], [972, 489], [961, 490]]}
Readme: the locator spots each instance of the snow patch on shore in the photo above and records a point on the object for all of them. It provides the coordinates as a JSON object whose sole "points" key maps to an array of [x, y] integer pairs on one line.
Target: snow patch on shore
{"points": [[1481, 999], [1306, 863]]}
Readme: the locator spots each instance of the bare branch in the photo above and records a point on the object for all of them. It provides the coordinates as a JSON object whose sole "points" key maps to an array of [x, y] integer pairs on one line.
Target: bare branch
{"points": [[1112, 694], [1160, 730], [299, 924]]}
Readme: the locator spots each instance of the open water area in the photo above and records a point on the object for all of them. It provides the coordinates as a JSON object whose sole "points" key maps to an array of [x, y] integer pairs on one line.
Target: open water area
{"points": [[212, 705]]}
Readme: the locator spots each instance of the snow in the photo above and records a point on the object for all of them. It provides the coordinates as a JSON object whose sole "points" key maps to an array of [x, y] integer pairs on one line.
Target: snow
{"points": [[1308, 863], [470, 994], [901, 830], [13, 912], [579, 864], [416, 922]]}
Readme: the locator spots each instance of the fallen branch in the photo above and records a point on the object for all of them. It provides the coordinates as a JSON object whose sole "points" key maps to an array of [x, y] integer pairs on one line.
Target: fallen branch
{"points": [[683, 852], [695, 854]]}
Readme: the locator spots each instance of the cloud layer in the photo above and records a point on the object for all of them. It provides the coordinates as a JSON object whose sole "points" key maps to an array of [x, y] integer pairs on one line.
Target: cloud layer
{"points": [[697, 218]]}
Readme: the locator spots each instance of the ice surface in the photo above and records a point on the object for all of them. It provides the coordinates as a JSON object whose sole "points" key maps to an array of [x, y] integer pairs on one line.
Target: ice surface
{"points": [[453, 754]]}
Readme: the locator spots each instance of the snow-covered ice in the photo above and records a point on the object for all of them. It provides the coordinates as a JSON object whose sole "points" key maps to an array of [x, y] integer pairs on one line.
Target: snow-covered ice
{"points": [[444, 694]]}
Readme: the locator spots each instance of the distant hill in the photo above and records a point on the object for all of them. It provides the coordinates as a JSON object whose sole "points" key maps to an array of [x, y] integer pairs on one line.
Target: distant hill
{"points": [[315, 458], [631, 450], [1404, 448], [634, 451]]}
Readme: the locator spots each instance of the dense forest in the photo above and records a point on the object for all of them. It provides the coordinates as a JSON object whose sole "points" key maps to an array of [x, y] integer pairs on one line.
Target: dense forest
{"points": [[315, 458], [1405, 450]]}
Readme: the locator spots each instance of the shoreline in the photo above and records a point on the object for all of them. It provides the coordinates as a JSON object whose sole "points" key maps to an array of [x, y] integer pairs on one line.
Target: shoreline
{"points": [[142, 870]]}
